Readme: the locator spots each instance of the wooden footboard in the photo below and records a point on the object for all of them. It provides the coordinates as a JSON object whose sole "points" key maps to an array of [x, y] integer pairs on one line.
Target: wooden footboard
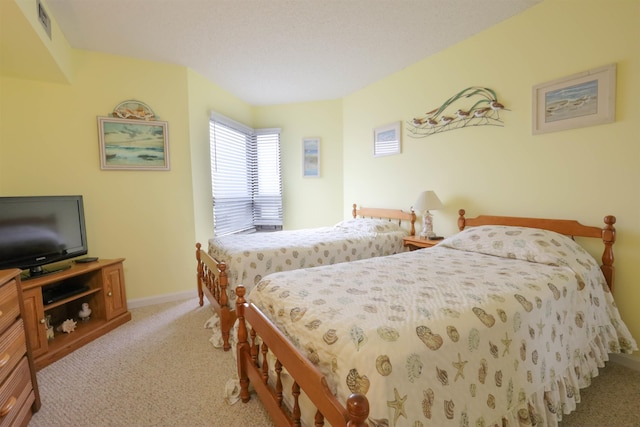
{"points": [[253, 367], [213, 283]]}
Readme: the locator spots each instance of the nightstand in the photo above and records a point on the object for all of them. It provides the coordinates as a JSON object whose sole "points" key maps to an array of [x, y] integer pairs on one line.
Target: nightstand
{"points": [[417, 242]]}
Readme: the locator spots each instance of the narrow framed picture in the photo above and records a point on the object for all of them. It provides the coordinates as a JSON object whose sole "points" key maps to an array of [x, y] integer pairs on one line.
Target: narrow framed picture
{"points": [[127, 144], [386, 140], [579, 100], [311, 157]]}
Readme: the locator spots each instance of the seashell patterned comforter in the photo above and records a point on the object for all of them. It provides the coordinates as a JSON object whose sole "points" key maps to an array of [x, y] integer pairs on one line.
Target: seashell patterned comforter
{"points": [[250, 257], [494, 325]]}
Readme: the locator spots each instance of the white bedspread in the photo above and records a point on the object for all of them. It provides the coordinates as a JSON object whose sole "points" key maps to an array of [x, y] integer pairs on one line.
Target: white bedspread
{"points": [[250, 257], [493, 325]]}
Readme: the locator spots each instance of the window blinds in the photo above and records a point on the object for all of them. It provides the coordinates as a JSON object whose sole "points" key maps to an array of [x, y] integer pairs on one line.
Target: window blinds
{"points": [[245, 173]]}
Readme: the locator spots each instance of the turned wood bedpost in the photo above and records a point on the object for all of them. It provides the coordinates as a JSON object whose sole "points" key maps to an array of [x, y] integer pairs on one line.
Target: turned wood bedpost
{"points": [[413, 222], [223, 281], [242, 344], [461, 220], [200, 292], [354, 211], [358, 410], [609, 238]]}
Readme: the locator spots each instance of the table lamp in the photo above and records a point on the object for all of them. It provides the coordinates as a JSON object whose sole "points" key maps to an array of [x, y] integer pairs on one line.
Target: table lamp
{"points": [[427, 200]]}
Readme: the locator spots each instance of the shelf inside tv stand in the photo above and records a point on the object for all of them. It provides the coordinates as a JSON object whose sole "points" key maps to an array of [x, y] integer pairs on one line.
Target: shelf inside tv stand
{"points": [[105, 295]]}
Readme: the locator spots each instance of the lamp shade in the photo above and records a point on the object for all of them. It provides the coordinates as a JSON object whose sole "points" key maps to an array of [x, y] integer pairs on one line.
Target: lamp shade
{"points": [[427, 200]]}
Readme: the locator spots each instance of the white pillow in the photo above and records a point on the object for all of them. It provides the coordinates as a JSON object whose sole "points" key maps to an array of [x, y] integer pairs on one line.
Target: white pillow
{"points": [[523, 243]]}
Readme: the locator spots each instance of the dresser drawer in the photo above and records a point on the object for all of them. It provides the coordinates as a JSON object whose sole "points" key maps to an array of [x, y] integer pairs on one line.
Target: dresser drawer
{"points": [[14, 393], [9, 307], [12, 347]]}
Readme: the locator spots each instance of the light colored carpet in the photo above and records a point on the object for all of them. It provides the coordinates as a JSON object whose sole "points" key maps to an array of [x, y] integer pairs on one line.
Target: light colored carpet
{"points": [[161, 370]]}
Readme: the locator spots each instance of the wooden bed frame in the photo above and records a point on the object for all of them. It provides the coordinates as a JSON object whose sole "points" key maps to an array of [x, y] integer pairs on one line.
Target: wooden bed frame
{"points": [[213, 279], [253, 366]]}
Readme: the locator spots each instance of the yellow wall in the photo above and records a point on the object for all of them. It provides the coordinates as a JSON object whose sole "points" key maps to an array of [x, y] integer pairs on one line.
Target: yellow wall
{"points": [[49, 141], [582, 173], [50, 146], [309, 202]]}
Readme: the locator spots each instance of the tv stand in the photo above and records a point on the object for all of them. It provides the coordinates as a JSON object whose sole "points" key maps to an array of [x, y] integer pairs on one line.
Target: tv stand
{"points": [[100, 284]]}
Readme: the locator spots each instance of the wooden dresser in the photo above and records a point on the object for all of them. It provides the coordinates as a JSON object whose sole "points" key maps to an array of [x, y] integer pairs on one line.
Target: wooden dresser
{"points": [[19, 397]]}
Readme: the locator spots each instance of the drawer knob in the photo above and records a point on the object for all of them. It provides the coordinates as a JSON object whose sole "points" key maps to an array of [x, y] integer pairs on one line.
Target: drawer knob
{"points": [[110, 294], [4, 360], [8, 406], [42, 321]]}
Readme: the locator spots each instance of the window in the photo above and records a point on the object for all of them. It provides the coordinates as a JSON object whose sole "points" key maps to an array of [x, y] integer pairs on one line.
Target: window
{"points": [[246, 179]]}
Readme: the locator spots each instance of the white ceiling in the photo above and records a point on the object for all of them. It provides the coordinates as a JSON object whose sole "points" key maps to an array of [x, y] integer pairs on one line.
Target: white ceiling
{"points": [[270, 52]]}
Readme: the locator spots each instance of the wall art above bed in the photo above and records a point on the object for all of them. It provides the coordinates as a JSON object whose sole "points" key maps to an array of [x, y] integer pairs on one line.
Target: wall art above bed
{"points": [[473, 106], [579, 100]]}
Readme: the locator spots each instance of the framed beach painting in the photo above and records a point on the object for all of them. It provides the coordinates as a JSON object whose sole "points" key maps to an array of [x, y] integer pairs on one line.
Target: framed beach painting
{"points": [[584, 99], [133, 144], [311, 157]]}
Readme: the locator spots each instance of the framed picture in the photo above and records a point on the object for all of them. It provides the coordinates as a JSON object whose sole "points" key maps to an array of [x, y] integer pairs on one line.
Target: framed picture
{"points": [[386, 140], [127, 144], [580, 100], [311, 157]]}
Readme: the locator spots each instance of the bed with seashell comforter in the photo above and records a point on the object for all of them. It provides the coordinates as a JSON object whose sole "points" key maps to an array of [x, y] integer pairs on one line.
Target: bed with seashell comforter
{"points": [[246, 258], [496, 325]]}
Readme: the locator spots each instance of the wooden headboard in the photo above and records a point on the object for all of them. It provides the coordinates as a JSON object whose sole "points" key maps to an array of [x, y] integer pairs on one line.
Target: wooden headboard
{"points": [[390, 214], [563, 226]]}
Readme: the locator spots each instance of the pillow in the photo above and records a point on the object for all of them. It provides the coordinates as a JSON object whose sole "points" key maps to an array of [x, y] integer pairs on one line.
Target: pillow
{"points": [[370, 225], [523, 243]]}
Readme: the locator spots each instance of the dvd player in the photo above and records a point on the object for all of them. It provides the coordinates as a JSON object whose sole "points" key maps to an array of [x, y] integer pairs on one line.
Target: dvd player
{"points": [[57, 293]]}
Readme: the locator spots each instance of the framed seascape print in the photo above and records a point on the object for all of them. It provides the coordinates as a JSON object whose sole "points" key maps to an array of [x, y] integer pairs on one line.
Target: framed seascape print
{"points": [[386, 140], [580, 100], [133, 144], [311, 157]]}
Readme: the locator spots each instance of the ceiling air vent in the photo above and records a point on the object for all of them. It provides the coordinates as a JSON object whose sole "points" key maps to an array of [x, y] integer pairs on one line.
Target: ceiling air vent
{"points": [[44, 19]]}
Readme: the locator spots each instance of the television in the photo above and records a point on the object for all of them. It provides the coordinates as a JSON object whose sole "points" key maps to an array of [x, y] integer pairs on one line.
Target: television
{"points": [[40, 230]]}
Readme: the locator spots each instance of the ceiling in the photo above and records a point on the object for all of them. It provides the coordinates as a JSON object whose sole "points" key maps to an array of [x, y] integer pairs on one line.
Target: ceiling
{"points": [[269, 52]]}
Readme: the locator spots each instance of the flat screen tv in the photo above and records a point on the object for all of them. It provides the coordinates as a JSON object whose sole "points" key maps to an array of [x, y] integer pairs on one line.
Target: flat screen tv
{"points": [[40, 230]]}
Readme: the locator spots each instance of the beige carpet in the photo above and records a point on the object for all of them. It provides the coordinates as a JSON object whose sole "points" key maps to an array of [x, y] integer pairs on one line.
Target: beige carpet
{"points": [[160, 370], [157, 370]]}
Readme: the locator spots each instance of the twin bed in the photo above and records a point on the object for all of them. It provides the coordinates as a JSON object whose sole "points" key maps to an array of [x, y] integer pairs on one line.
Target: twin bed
{"points": [[246, 258], [501, 324]]}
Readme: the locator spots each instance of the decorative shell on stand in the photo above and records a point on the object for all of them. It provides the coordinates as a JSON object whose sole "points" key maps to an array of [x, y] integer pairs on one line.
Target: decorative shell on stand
{"points": [[69, 326]]}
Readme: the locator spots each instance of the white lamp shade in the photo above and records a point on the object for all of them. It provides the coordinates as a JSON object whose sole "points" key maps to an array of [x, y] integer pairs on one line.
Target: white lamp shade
{"points": [[427, 200]]}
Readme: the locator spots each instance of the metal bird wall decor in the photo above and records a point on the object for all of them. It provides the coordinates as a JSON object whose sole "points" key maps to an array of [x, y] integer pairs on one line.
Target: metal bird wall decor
{"points": [[484, 110]]}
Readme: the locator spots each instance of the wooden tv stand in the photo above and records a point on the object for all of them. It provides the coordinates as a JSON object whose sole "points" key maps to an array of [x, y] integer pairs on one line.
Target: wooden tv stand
{"points": [[105, 295]]}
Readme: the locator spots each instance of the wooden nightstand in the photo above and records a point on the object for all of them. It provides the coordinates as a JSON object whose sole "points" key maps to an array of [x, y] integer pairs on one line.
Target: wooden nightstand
{"points": [[417, 242]]}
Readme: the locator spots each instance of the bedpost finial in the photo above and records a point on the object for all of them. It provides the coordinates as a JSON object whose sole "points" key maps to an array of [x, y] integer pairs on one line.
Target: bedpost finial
{"points": [[358, 410], [461, 221], [609, 219]]}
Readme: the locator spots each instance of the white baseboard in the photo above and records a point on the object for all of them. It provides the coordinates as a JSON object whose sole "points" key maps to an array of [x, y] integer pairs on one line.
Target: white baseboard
{"points": [[626, 360], [178, 296]]}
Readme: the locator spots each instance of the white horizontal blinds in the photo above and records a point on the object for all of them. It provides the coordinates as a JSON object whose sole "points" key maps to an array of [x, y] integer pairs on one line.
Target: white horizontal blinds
{"points": [[245, 172], [230, 172], [267, 190]]}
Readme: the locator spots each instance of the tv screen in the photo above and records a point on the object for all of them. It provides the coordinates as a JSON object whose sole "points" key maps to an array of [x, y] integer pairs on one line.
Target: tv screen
{"points": [[39, 230]]}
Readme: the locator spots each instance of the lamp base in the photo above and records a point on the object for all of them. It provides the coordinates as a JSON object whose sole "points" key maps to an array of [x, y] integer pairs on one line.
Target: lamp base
{"points": [[427, 226]]}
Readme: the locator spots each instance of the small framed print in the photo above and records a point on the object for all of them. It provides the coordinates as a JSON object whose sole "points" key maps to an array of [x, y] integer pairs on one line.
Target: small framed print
{"points": [[386, 140], [127, 144], [311, 157], [580, 100]]}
